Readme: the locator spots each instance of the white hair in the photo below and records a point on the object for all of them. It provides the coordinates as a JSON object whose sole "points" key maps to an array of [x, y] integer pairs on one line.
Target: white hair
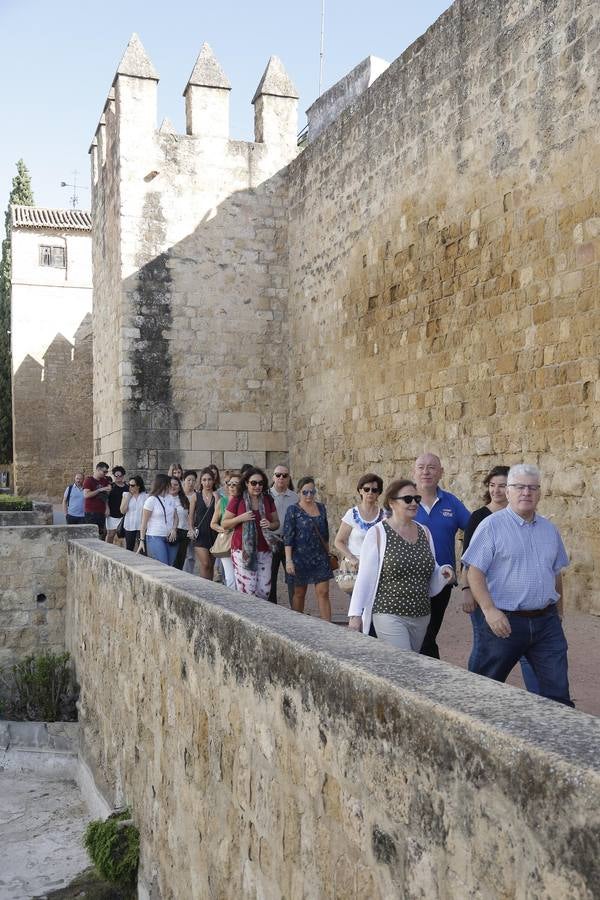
{"points": [[521, 469]]}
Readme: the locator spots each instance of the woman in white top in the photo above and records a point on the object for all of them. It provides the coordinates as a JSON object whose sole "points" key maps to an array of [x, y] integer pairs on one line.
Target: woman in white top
{"points": [[158, 529], [132, 503], [357, 521], [398, 573]]}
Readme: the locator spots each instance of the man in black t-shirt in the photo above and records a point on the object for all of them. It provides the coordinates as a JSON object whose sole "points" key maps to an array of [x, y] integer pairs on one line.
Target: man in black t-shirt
{"points": [[117, 490]]}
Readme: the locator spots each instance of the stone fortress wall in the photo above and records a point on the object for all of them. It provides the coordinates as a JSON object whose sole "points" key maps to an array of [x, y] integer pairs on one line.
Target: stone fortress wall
{"points": [[266, 754], [190, 272], [52, 416], [444, 241], [429, 265], [33, 587]]}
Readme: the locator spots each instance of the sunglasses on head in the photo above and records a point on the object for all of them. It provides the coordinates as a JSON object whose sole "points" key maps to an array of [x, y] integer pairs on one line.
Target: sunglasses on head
{"points": [[371, 490], [256, 483], [408, 498]]}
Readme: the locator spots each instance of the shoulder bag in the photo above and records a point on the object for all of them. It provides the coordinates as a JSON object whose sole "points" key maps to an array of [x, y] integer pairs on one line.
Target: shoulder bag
{"points": [[333, 560]]}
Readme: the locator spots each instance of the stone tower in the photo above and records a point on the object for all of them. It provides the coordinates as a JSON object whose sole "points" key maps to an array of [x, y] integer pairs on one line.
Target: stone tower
{"points": [[190, 271]]}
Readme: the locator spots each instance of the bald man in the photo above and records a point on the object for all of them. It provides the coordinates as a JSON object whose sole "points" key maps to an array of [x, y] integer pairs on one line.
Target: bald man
{"points": [[444, 515]]}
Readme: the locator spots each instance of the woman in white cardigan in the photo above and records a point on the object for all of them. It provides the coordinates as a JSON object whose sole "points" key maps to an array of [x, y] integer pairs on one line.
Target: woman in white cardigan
{"points": [[397, 574]]}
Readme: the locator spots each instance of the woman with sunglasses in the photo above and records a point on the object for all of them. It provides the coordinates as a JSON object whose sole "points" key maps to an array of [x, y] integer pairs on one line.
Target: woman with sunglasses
{"points": [[253, 517], [232, 480], [397, 574], [132, 503], [306, 539], [360, 518]]}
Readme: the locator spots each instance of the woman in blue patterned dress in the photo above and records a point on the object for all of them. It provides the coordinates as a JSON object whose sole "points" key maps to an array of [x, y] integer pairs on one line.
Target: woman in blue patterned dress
{"points": [[306, 539]]}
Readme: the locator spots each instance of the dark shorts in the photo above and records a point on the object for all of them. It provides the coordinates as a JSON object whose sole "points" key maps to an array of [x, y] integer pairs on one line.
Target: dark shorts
{"points": [[99, 520], [75, 520]]}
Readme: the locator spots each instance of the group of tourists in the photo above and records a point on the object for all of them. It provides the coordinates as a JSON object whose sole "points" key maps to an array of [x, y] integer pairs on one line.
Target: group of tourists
{"points": [[397, 549]]}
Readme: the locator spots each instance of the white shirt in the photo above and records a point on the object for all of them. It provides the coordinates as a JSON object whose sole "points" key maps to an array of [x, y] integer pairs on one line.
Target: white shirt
{"points": [[133, 516], [162, 516], [358, 534]]}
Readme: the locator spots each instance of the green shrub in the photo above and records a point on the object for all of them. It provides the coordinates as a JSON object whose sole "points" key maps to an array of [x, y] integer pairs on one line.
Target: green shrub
{"points": [[41, 688], [114, 849], [10, 503]]}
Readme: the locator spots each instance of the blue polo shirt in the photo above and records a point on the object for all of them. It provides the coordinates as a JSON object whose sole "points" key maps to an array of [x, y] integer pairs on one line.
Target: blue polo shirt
{"points": [[75, 507], [448, 515]]}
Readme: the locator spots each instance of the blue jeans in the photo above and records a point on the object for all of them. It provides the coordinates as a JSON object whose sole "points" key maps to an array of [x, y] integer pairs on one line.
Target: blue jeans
{"points": [[159, 548], [540, 640], [529, 676]]}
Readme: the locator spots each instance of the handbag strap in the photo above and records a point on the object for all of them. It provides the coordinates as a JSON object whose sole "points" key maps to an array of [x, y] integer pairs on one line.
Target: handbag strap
{"points": [[318, 533], [206, 510]]}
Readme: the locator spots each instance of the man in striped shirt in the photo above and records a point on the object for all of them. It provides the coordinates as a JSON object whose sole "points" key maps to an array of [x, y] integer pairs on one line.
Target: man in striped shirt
{"points": [[515, 560]]}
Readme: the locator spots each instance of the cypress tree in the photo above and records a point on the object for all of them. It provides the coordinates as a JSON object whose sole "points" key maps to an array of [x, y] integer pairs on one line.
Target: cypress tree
{"points": [[21, 193]]}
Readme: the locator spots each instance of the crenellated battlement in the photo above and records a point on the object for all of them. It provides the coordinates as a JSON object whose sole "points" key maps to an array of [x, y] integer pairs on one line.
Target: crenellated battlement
{"points": [[131, 109]]}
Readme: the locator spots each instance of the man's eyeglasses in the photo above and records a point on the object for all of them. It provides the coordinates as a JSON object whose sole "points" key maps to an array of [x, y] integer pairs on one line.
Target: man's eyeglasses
{"points": [[524, 488], [282, 474], [408, 498], [370, 490], [309, 492], [256, 483]]}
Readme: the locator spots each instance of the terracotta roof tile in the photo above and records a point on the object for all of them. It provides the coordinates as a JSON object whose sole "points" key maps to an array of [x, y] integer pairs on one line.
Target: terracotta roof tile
{"points": [[38, 217]]}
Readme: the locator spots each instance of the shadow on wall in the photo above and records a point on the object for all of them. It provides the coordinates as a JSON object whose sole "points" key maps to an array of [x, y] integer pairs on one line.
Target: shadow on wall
{"points": [[52, 416], [207, 323]]}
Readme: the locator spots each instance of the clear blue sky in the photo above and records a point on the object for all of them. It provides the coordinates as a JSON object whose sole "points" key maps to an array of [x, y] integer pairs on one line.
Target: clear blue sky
{"points": [[57, 62]]}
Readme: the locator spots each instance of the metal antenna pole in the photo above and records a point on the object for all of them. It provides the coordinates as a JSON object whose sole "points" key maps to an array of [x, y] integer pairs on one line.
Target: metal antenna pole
{"points": [[322, 49]]}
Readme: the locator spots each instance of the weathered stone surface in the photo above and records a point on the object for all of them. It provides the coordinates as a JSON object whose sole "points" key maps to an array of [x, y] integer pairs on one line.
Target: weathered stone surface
{"points": [[41, 514], [207, 72], [267, 754], [33, 588], [444, 248], [187, 258]]}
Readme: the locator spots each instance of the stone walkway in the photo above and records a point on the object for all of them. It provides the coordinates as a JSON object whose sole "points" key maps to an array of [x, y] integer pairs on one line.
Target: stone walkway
{"points": [[42, 821]]}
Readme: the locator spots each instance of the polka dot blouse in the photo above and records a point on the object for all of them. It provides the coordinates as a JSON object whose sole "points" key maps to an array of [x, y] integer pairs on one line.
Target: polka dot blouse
{"points": [[403, 588]]}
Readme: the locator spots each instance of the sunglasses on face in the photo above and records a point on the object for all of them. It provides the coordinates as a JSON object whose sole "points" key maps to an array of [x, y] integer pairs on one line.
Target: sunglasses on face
{"points": [[256, 483], [370, 490], [408, 498], [132, 484], [309, 493], [282, 475]]}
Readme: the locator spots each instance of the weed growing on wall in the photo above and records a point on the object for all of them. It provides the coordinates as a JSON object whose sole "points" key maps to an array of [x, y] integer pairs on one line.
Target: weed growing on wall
{"points": [[114, 849], [10, 503], [41, 688]]}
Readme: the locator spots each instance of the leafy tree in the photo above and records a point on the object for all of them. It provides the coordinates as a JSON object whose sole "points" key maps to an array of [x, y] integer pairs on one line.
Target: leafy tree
{"points": [[21, 193]]}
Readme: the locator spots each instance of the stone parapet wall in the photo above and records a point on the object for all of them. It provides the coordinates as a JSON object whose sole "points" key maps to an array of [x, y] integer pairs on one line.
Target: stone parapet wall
{"points": [[265, 754], [445, 259], [41, 514], [33, 566]]}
